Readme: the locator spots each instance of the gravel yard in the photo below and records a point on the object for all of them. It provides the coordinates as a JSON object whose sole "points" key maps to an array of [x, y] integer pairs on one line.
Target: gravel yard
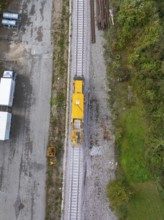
{"points": [[28, 51]]}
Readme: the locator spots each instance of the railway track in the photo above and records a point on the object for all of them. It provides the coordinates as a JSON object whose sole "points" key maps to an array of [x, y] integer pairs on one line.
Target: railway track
{"points": [[79, 42], [73, 186], [77, 152], [76, 183]]}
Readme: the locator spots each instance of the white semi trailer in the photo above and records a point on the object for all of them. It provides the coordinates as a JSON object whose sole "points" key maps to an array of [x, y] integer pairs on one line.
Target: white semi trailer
{"points": [[9, 23], [5, 124], [7, 88], [10, 15]]}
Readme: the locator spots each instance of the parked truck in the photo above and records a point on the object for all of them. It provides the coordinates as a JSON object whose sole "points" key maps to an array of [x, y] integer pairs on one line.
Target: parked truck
{"points": [[10, 19], [5, 124], [10, 15], [7, 88], [9, 23], [77, 116]]}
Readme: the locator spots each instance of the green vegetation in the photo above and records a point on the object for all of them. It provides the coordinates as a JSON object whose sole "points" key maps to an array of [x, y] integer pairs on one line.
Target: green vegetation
{"points": [[60, 100], [135, 70], [132, 144], [3, 4], [146, 203], [119, 193]]}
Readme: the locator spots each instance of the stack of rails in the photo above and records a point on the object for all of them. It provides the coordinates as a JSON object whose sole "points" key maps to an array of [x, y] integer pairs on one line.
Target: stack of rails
{"points": [[102, 14], [93, 35]]}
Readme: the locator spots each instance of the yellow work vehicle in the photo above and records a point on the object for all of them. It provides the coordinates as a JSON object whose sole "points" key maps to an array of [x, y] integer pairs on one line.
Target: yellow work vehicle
{"points": [[51, 155], [77, 115]]}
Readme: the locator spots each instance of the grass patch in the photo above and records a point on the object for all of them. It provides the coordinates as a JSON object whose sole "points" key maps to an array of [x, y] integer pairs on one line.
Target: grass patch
{"points": [[132, 157], [60, 99], [146, 203]]}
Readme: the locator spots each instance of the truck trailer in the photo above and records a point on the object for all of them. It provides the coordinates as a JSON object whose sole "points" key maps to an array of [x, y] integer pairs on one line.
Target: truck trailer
{"points": [[5, 123], [7, 88], [9, 23], [77, 116], [10, 15]]}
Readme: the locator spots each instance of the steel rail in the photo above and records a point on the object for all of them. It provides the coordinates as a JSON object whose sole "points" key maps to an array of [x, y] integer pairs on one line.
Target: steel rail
{"points": [[93, 35], [75, 187], [79, 47]]}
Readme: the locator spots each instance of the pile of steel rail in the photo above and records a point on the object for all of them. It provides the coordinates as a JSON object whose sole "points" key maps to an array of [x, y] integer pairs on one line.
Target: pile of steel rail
{"points": [[102, 14], [93, 35]]}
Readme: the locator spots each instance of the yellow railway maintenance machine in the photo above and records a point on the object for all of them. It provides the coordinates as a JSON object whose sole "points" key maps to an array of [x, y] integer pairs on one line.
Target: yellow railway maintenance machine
{"points": [[77, 116]]}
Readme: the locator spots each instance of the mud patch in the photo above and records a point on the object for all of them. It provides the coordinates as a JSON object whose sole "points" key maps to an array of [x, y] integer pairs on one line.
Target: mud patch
{"points": [[32, 12], [39, 34], [18, 205], [42, 7], [16, 53], [1, 176]]}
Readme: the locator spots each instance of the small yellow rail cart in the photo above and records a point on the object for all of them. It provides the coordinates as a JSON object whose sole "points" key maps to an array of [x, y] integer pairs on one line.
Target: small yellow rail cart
{"points": [[51, 155]]}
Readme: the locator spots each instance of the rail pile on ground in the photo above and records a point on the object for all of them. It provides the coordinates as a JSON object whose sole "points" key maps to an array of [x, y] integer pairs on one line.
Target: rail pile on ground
{"points": [[102, 14], [93, 35]]}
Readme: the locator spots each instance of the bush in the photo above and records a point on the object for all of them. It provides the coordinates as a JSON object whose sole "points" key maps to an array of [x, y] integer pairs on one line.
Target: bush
{"points": [[118, 193], [155, 157], [137, 38]]}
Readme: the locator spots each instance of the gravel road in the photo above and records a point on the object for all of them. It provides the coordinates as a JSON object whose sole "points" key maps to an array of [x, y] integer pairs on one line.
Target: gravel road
{"points": [[99, 153], [23, 158]]}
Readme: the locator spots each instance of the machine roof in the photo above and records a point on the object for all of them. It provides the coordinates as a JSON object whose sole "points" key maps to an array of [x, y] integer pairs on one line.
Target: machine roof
{"points": [[77, 106], [78, 86]]}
